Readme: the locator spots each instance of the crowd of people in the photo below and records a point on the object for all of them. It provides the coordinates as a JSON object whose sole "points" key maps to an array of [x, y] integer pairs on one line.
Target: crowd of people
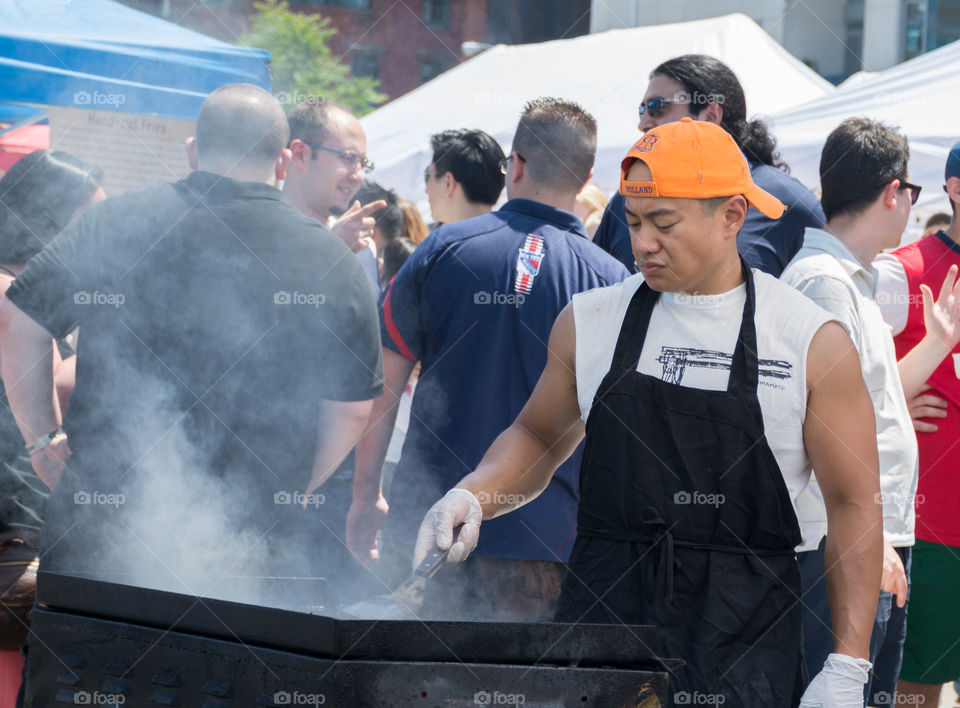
{"points": [[713, 403]]}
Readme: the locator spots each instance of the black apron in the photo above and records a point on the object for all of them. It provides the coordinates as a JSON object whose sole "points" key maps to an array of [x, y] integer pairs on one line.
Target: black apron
{"points": [[685, 523]]}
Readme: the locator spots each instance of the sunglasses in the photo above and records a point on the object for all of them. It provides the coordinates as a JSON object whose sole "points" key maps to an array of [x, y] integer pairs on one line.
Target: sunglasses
{"points": [[505, 162], [654, 106], [352, 159], [914, 191]]}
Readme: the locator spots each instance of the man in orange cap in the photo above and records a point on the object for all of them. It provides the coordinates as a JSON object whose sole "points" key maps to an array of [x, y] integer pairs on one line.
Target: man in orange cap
{"points": [[704, 390]]}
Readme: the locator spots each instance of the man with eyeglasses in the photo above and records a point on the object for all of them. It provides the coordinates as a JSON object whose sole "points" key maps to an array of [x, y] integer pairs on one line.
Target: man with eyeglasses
{"points": [[907, 278], [706, 89], [327, 168], [867, 199], [474, 304], [463, 178]]}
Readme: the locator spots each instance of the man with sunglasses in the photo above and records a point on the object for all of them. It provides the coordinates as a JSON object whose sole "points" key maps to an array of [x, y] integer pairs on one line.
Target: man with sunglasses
{"points": [[705, 88], [867, 199], [474, 304], [906, 279], [327, 168]]}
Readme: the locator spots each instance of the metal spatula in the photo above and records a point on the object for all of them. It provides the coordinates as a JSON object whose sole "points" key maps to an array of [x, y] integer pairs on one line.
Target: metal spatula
{"points": [[404, 602]]}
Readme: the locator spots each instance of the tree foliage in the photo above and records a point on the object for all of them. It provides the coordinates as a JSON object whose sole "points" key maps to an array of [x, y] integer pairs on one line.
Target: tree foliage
{"points": [[303, 63]]}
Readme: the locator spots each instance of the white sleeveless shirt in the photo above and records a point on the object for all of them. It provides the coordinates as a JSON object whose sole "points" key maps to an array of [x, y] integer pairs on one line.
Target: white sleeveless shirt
{"points": [[690, 342]]}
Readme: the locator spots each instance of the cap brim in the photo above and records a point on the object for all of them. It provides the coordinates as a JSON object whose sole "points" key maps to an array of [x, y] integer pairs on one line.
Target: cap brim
{"points": [[766, 203]]}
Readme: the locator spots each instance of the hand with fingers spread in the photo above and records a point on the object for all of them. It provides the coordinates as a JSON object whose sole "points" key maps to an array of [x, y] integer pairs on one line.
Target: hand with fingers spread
{"points": [[839, 684], [458, 506], [894, 578], [355, 226], [942, 318], [926, 405]]}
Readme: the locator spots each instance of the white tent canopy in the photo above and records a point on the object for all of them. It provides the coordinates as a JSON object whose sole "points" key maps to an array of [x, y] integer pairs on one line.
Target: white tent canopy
{"points": [[920, 96], [606, 73]]}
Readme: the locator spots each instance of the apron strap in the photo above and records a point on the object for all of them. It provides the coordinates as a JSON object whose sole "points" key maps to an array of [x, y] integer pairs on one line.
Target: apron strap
{"points": [[633, 331], [745, 367]]}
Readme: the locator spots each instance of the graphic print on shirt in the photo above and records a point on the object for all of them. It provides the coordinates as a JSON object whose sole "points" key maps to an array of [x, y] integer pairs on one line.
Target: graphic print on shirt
{"points": [[675, 361], [528, 263]]}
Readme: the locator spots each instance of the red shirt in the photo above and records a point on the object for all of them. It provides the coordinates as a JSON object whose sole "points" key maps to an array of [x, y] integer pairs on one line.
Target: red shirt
{"points": [[938, 490]]}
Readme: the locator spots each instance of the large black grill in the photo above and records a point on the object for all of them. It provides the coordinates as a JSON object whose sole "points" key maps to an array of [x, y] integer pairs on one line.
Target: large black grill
{"points": [[98, 643]]}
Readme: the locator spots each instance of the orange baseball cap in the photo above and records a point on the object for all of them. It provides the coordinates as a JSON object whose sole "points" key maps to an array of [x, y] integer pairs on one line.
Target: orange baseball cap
{"points": [[694, 159]]}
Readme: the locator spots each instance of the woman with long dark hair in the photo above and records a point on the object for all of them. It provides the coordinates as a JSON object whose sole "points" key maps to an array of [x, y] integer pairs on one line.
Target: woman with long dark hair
{"points": [[39, 196], [705, 88]]}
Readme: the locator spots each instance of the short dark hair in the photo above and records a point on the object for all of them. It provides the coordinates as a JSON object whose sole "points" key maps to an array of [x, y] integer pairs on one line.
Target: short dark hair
{"points": [[860, 158], [308, 119], [941, 218], [708, 80], [473, 158], [390, 218], [242, 122], [558, 142], [38, 197]]}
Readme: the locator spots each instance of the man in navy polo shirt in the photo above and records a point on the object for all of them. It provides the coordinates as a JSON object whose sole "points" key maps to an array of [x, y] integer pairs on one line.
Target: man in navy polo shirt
{"points": [[475, 304], [705, 88]]}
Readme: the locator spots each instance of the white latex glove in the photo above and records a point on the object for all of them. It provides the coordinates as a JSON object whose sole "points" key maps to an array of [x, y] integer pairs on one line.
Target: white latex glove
{"points": [[839, 684], [458, 506]]}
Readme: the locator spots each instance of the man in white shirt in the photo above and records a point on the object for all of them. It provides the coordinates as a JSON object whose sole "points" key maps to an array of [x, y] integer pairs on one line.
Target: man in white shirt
{"points": [[867, 203], [720, 382]]}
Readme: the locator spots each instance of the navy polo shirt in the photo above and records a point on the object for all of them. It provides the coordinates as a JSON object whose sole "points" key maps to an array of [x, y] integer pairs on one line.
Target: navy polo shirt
{"points": [[475, 303], [765, 244]]}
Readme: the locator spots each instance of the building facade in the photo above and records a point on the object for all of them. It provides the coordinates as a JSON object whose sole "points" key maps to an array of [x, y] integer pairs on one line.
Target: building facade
{"points": [[836, 38], [402, 43]]}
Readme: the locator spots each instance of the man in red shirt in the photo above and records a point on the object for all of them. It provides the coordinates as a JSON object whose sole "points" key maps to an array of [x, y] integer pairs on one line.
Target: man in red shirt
{"points": [[931, 654]]}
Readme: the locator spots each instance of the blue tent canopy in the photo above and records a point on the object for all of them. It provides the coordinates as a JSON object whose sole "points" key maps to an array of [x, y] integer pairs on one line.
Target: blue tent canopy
{"points": [[103, 55]]}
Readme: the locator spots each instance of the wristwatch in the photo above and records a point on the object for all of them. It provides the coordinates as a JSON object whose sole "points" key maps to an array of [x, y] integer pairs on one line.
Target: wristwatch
{"points": [[44, 440]]}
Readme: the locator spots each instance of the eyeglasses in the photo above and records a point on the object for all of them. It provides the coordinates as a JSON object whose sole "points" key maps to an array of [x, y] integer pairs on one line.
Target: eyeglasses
{"points": [[351, 158], [654, 106], [914, 191], [505, 162]]}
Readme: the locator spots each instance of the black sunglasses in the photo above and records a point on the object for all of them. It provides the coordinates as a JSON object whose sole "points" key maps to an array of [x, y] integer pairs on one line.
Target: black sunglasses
{"points": [[505, 162], [914, 191], [351, 158], [654, 106]]}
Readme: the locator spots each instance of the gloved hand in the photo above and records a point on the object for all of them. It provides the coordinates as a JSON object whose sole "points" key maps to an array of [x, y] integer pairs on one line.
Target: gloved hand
{"points": [[839, 684], [458, 506]]}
